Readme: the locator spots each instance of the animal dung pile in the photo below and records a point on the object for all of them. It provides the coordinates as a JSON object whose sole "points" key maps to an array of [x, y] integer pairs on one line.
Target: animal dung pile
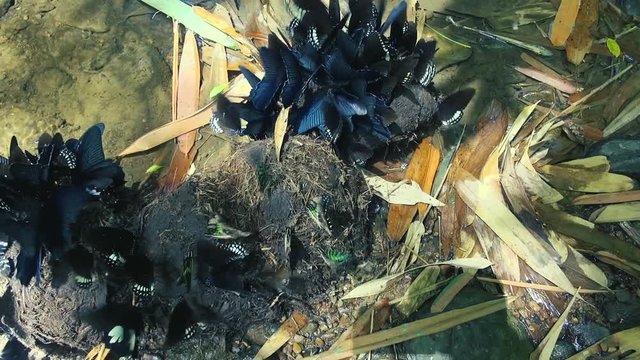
{"points": [[310, 205], [48, 315]]}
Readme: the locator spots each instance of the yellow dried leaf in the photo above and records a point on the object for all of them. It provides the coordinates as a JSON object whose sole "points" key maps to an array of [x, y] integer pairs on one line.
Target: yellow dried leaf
{"points": [[585, 180], [453, 288], [286, 331], [370, 288], [618, 212], [280, 130], [467, 263], [499, 218], [593, 163], [564, 21]]}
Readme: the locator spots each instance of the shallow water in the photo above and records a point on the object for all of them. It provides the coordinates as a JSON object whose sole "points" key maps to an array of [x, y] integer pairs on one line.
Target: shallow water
{"points": [[65, 65]]}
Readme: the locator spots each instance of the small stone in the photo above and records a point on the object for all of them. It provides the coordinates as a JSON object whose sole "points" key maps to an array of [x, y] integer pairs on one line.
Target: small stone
{"points": [[25, 18], [319, 342], [298, 338], [297, 348], [310, 328]]}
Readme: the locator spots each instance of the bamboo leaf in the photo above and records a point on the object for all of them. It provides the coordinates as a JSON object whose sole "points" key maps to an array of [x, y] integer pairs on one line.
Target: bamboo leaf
{"points": [[495, 214], [420, 290], [453, 288], [370, 288], [585, 180], [626, 117], [280, 130], [529, 285], [564, 21], [217, 21], [558, 83], [422, 169], [404, 332], [467, 263], [545, 348], [611, 198], [618, 213], [286, 331], [411, 245], [184, 14], [400, 193]]}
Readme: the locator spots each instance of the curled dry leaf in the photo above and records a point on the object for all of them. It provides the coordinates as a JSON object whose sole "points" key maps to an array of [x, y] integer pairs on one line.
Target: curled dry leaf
{"points": [[400, 193]]}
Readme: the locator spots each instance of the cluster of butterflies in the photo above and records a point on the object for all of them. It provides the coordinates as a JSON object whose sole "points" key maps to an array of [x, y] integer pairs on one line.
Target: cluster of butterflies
{"points": [[41, 196], [339, 79], [219, 261]]}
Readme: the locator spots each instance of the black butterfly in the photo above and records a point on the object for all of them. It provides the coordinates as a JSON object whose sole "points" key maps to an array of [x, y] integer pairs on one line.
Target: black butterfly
{"points": [[222, 263]]}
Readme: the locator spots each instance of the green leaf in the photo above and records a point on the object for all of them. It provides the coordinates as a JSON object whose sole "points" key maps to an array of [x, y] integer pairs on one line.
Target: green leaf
{"points": [[614, 47], [153, 168], [185, 15], [217, 90]]}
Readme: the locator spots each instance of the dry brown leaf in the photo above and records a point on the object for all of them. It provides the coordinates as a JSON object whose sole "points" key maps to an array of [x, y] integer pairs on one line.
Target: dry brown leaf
{"points": [[555, 82], [188, 97], [610, 198], [581, 38], [286, 331], [471, 156], [280, 130], [188, 88], [564, 22], [422, 169], [593, 163], [498, 217]]}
